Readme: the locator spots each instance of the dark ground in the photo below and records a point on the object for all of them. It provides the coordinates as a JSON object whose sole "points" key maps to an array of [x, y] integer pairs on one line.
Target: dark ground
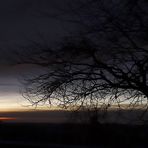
{"points": [[40, 135]]}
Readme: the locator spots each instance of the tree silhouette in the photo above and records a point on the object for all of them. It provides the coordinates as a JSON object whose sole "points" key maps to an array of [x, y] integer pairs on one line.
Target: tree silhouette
{"points": [[102, 65]]}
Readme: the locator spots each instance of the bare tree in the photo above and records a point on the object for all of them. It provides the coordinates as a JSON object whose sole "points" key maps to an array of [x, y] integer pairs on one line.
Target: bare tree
{"points": [[105, 64]]}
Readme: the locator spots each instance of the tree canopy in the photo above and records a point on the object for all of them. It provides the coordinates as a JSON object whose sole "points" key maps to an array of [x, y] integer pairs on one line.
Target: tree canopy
{"points": [[103, 64]]}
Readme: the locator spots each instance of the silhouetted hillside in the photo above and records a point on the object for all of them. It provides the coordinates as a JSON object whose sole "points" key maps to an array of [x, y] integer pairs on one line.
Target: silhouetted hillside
{"points": [[73, 135]]}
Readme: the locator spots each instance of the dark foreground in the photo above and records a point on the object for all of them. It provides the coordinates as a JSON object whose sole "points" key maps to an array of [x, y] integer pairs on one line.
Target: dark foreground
{"points": [[37, 135]]}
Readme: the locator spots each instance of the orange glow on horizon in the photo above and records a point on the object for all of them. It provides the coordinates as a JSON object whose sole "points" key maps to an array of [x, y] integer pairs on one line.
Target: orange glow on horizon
{"points": [[7, 118]]}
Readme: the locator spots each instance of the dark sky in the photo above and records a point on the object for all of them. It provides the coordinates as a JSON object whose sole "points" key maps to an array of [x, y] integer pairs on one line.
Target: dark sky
{"points": [[21, 23], [24, 21]]}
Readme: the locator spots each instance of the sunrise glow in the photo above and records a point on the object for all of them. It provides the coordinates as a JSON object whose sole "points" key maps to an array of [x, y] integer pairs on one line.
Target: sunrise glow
{"points": [[7, 119]]}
